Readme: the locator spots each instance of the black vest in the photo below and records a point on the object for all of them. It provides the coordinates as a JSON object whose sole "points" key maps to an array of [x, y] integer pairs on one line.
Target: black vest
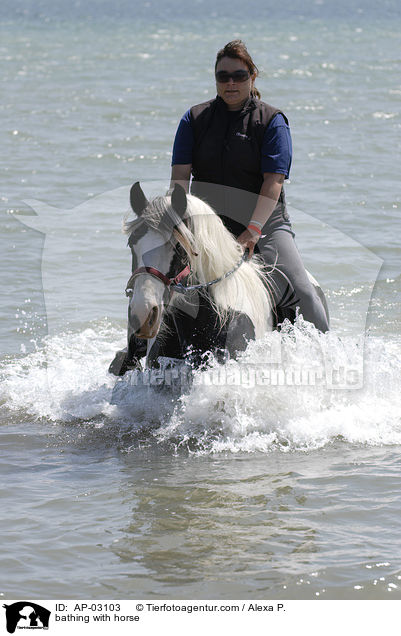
{"points": [[227, 155]]}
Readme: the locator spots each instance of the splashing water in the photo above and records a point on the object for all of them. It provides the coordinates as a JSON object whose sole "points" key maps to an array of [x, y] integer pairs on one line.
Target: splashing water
{"points": [[296, 407], [252, 404]]}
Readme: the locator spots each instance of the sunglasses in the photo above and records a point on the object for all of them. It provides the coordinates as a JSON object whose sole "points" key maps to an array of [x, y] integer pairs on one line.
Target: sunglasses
{"points": [[237, 76]]}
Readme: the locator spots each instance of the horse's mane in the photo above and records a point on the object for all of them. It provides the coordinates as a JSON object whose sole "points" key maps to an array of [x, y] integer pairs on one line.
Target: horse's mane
{"points": [[213, 251]]}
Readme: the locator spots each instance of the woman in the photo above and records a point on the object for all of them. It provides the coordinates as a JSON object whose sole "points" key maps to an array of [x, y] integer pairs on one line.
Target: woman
{"points": [[238, 151]]}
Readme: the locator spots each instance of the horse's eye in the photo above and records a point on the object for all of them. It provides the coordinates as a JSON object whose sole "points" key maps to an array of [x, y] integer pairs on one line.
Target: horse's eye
{"points": [[128, 293]]}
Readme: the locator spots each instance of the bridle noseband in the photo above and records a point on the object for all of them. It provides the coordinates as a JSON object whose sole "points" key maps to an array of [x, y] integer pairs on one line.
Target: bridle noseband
{"points": [[175, 284], [170, 283]]}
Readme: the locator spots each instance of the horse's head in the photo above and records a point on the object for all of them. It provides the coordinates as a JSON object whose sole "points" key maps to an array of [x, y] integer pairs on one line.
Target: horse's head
{"points": [[159, 241]]}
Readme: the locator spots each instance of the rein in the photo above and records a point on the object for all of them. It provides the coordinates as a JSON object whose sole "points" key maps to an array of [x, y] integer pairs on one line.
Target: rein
{"points": [[175, 284]]}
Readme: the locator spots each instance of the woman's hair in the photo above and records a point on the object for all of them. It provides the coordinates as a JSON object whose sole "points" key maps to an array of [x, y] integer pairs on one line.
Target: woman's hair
{"points": [[237, 49]]}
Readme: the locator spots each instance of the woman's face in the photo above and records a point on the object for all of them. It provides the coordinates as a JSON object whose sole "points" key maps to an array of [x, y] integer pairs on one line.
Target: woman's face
{"points": [[234, 93]]}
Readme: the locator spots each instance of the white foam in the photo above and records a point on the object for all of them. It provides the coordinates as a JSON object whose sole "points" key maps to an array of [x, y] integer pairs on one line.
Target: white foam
{"points": [[294, 416], [66, 378], [248, 405]]}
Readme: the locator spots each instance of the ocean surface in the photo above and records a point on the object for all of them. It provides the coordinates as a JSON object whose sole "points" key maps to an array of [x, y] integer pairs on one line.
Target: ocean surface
{"points": [[238, 488]]}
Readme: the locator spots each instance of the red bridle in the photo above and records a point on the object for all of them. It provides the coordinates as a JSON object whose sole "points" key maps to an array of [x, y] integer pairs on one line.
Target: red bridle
{"points": [[168, 282], [174, 284]]}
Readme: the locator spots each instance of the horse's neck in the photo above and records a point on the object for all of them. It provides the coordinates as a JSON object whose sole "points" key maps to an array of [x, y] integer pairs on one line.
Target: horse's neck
{"points": [[243, 291]]}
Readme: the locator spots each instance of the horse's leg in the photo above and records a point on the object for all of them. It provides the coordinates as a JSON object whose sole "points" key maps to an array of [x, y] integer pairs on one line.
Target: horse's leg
{"points": [[167, 343], [204, 333], [239, 332], [128, 358], [190, 337]]}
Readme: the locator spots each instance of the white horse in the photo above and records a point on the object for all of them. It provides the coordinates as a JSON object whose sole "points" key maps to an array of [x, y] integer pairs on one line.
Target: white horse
{"points": [[225, 300]]}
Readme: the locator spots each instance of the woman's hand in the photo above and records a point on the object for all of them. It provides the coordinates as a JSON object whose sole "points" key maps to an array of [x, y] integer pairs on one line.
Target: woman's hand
{"points": [[267, 201], [248, 239]]}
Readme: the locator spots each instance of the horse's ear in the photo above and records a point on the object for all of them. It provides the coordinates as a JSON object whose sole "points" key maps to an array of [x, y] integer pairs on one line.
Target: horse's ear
{"points": [[179, 200], [138, 199]]}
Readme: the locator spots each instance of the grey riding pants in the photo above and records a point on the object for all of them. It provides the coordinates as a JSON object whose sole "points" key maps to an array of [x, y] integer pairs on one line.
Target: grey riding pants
{"points": [[290, 285]]}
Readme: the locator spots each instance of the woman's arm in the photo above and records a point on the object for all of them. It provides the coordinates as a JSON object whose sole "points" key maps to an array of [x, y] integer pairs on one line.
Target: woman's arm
{"points": [[267, 201], [181, 173], [182, 153]]}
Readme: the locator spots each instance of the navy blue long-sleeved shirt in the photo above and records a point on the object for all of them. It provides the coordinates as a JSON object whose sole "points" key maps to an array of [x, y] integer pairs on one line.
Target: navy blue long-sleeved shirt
{"points": [[276, 155]]}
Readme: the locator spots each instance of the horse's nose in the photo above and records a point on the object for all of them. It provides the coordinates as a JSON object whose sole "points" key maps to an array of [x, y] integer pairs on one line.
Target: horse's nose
{"points": [[153, 314], [150, 326], [134, 321]]}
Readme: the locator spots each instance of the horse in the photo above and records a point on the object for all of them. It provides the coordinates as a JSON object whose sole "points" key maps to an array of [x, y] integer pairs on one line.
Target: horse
{"points": [[226, 299]]}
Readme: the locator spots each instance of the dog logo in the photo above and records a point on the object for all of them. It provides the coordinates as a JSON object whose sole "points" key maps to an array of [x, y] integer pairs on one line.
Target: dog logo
{"points": [[26, 615]]}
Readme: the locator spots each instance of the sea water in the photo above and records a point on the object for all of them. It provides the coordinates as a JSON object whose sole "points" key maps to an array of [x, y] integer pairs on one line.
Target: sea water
{"points": [[270, 477]]}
